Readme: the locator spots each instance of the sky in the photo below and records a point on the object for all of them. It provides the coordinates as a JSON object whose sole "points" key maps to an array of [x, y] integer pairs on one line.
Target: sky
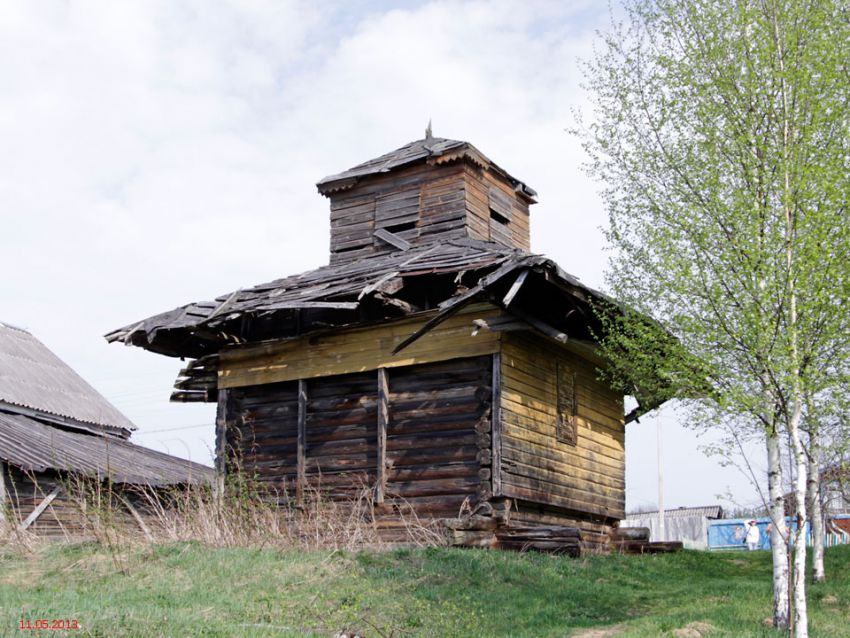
{"points": [[156, 153]]}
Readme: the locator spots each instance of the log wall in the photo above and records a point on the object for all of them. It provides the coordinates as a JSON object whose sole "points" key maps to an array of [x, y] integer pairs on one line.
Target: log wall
{"points": [[486, 191], [71, 514], [413, 202], [423, 433], [423, 203], [261, 434], [438, 435], [435, 448], [584, 479]]}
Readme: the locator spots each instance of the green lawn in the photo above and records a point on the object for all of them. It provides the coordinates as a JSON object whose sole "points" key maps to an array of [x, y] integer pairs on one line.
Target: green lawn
{"points": [[191, 590]]}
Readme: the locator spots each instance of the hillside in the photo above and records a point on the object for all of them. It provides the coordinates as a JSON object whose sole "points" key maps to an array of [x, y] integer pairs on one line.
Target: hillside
{"points": [[191, 590]]}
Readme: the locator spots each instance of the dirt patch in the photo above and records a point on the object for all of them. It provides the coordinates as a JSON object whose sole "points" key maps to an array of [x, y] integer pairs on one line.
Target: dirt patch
{"points": [[830, 600], [599, 632], [695, 629]]}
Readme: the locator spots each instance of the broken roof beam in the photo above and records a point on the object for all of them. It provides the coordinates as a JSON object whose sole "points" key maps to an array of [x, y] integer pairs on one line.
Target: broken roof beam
{"points": [[392, 239], [308, 305], [541, 326], [508, 323], [514, 289], [454, 305]]}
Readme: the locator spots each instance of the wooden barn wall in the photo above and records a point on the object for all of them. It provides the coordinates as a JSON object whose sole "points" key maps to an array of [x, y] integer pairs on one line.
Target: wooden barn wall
{"points": [[262, 434], [437, 433], [587, 478], [358, 350], [430, 196], [341, 433], [479, 182], [71, 513]]}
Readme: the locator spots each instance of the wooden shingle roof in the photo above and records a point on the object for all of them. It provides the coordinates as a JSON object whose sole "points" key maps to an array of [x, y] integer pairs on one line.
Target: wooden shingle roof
{"points": [[435, 150], [342, 293]]}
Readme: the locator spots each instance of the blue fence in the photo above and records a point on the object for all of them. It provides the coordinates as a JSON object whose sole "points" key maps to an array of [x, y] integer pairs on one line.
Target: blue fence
{"points": [[729, 534]]}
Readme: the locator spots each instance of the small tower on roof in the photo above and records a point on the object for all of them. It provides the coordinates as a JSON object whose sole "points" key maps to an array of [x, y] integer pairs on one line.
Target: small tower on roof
{"points": [[433, 189]]}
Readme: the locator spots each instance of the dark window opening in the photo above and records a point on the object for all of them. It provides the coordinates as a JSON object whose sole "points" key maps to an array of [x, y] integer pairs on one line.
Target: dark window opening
{"points": [[348, 249], [399, 228], [498, 217]]}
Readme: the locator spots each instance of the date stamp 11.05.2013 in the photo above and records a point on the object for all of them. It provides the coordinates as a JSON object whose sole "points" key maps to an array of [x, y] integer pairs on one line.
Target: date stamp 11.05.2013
{"points": [[49, 624]]}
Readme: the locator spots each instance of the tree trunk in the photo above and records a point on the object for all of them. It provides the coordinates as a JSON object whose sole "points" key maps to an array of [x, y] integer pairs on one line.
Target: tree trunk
{"points": [[778, 533], [815, 510], [801, 616]]}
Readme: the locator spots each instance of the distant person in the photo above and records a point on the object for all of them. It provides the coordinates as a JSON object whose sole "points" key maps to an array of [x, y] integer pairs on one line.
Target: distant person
{"points": [[753, 536]]}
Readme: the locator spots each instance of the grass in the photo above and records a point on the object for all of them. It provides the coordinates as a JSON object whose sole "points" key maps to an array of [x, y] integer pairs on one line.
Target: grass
{"points": [[188, 589]]}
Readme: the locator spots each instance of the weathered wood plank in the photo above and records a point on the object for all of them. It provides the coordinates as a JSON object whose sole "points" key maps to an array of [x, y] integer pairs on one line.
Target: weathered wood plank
{"points": [[356, 350], [221, 441], [383, 420], [43, 505], [301, 450], [496, 424]]}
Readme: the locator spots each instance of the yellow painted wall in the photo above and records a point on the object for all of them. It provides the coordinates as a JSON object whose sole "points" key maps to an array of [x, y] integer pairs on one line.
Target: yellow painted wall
{"points": [[358, 350], [588, 476]]}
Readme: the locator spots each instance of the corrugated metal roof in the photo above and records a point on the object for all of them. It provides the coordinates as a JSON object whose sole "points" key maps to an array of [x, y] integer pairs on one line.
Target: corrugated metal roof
{"points": [[33, 377], [34, 446], [708, 511]]}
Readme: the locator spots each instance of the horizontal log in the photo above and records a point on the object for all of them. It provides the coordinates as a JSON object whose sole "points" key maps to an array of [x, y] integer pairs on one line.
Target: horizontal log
{"points": [[551, 547], [630, 534], [469, 538], [461, 485]]}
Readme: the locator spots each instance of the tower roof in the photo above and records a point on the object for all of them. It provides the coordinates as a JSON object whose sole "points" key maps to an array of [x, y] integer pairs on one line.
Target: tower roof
{"points": [[433, 150]]}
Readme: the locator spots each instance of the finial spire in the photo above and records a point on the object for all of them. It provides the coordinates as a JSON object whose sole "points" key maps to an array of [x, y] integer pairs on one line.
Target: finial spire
{"points": [[428, 134]]}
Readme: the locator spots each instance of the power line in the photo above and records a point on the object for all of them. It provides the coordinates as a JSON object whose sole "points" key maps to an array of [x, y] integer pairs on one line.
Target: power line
{"points": [[180, 427]]}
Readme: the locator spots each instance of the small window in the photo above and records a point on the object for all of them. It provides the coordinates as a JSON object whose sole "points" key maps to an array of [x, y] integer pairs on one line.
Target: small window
{"points": [[567, 405], [497, 217], [501, 211]]}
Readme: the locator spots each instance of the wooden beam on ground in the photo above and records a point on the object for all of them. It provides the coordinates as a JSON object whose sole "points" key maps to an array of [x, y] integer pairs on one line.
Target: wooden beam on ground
{"points": [[301, 446], [383, 420], [220, 442], [496, 425], [393, 240], [45, 503]]}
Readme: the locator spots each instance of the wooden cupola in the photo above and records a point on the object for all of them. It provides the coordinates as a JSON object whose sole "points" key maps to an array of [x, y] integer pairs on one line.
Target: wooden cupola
{"points": [[430, 190]]}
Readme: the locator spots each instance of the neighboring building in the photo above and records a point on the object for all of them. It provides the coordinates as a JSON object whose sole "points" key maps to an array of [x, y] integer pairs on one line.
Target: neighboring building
{"points": [[435, 358], [688, 525], [55, 429]]}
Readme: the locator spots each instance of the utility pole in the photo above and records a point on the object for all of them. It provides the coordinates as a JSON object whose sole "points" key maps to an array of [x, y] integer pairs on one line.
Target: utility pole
{"points": [[661, 532]]}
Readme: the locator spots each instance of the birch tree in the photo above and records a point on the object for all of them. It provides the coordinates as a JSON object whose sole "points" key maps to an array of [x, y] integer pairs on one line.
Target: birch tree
{"points": [[720, 135]]}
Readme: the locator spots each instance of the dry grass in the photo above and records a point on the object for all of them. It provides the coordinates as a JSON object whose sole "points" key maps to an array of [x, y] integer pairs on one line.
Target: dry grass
{"points": [[248, 514]]}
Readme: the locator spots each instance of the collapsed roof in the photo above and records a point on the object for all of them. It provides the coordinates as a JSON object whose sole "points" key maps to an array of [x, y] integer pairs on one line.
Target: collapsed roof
{"points": [[444, 276]]}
